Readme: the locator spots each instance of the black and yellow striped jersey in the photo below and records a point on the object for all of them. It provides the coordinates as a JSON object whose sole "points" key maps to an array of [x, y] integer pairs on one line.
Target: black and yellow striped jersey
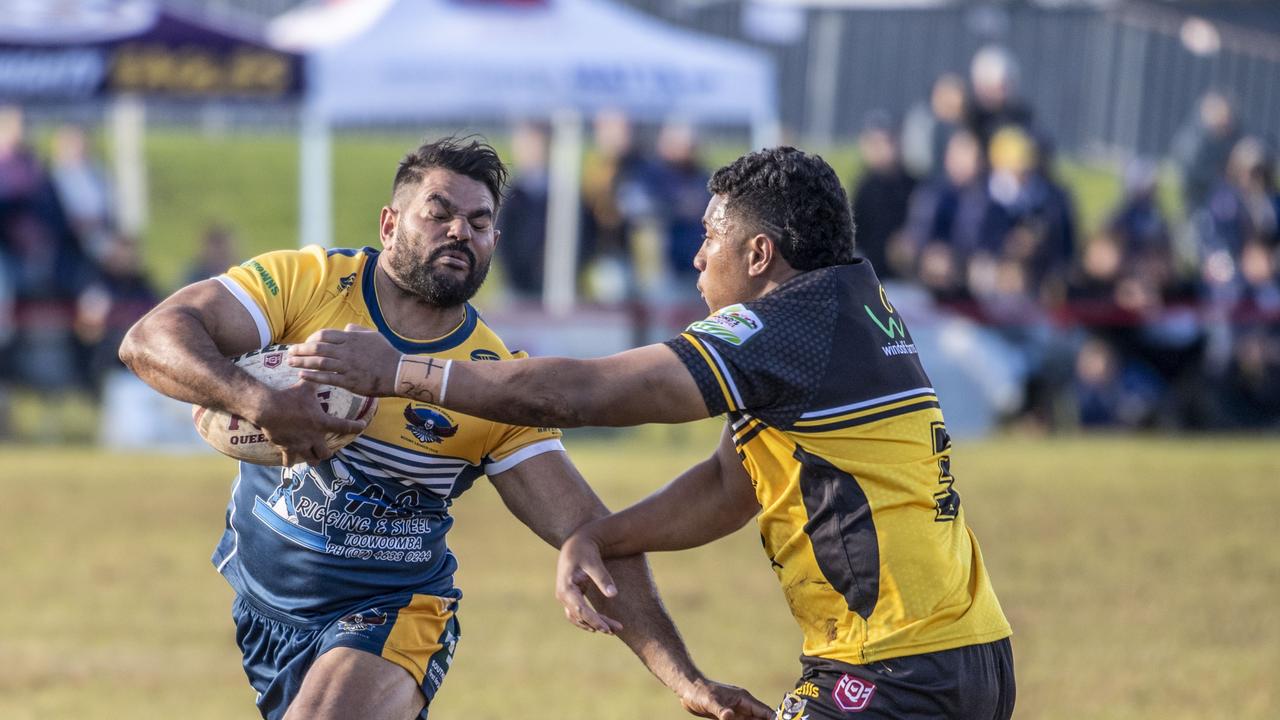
{"points": [[840, 430]]}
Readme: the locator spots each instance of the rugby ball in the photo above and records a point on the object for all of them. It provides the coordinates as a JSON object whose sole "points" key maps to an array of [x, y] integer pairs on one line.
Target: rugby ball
{"points": [[236, 437]]}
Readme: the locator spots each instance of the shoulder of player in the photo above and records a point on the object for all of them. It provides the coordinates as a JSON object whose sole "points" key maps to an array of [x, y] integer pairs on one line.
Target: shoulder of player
{"points": [[485, 344]]}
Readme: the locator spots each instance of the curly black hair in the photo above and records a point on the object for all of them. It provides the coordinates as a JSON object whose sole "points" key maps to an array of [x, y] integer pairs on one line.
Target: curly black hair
{"points": [[471, 156], [796, 199]]}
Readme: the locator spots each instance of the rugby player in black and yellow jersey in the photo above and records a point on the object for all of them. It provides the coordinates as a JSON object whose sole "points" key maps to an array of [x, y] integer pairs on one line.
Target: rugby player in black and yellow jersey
{"points": [[834, 441]]}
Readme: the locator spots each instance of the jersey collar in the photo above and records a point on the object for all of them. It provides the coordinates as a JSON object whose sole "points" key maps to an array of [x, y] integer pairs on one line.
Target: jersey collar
{"points": [[452, 340]]}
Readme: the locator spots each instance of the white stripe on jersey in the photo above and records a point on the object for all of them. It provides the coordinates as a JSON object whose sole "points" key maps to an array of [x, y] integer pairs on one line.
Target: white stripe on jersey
{"points": [[524, 453], [255, 312], [867, 403]]}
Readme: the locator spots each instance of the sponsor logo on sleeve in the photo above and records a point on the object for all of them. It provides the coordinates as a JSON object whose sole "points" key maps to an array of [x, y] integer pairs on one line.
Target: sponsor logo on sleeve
{"points": [[267, 281], [734, 324], [482, 354], [853, 694]]}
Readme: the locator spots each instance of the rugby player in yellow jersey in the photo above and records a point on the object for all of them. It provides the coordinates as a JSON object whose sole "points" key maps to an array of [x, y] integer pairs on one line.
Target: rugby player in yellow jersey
{"points": [[834, 439], [345, 599]]}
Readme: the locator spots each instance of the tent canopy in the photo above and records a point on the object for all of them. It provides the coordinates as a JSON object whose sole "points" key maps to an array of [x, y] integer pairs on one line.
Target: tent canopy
{"points": [[82, 51], [414, 60]]}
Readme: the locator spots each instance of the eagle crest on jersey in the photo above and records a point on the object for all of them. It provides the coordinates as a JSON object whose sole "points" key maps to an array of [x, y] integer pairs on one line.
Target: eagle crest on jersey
{"points": [[427, 425]]}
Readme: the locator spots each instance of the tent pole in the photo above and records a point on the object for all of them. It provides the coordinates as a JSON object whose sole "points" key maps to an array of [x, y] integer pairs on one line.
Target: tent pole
{"points": [[560, 272], [128, 125], [315, 180]]}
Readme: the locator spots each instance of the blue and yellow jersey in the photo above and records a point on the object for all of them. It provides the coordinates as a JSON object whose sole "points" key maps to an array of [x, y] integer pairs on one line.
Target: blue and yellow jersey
{"points": [[314, 541], [840, 430]]}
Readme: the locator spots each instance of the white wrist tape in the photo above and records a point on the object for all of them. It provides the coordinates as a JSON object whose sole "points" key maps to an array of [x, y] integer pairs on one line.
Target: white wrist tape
{"points": [[444, 381]]}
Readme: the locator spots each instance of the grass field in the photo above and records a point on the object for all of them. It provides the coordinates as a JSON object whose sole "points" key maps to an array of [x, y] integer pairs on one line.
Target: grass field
{"points": [[1140, 577]]}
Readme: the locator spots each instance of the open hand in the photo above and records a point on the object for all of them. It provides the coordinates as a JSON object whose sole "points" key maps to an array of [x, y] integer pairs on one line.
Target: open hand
{"points": [[579, 567], [293, 420], [356, 358], [710, 699]]}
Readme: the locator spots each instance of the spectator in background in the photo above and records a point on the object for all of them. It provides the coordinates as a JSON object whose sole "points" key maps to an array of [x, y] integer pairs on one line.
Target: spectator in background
{"points": [[45, 262], [82, 189], [995, 103], [1138, 222], [617, 188], [1243, 209], [945, 221], [682, 196], [882, 195], [928, 127], [217, 252], [111, 304], [523, 220], [1033, 228], [1202, 146], [1113, 392]]}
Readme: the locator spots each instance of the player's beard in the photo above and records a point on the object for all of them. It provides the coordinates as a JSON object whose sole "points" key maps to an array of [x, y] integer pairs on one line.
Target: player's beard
{"points": [[439, 286]]}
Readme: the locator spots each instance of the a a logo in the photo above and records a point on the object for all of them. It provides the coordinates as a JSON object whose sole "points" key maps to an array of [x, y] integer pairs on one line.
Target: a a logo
{"points": [[792, 707], [852, 693], [428, 425], [272, 360], [895, 329], [361, 621], [808, 690], [734, 324], [345, 283], [483, 354]]}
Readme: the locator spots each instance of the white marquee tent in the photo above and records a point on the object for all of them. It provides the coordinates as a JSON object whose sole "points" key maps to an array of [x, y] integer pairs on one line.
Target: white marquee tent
{"points": [[395, 61]]}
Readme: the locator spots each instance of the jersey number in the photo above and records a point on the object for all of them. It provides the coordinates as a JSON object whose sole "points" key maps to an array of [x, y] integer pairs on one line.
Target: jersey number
{"points": [[946, 500]]}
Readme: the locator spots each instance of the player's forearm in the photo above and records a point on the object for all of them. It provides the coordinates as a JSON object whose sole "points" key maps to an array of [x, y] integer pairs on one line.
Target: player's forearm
{"points": [[540, 392], [172, 351], [646, 627], [688, 512]]}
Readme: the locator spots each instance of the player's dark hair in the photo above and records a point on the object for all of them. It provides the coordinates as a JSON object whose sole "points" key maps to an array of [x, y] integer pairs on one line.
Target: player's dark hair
{"points": [[794, 198], [471, 156]]}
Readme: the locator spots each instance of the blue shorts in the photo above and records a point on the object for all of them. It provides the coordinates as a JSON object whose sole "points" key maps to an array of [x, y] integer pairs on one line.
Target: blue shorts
{"points": [[416, 632]]}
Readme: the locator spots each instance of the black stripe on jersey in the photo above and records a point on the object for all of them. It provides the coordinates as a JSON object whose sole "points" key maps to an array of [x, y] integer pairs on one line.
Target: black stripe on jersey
{"points": [[842, 532], [863, 420], [748, 435], [702, 374]]}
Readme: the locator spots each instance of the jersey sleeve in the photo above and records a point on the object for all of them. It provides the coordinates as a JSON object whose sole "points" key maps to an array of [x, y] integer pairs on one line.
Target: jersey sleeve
{"points": [[766, 357], [277, 288], [511, 445]]}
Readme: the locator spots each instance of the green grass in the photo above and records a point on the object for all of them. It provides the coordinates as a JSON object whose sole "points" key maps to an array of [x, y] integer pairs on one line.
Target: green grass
{"points": [[1139, 575]]}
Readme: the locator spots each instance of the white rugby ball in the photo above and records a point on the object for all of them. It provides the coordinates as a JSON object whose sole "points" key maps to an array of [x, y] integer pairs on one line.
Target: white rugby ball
{"points": [[236, 437]]}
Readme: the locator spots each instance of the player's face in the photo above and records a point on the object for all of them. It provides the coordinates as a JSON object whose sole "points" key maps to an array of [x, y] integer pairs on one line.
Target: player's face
{"points": [[723, 259], [440, 238]]}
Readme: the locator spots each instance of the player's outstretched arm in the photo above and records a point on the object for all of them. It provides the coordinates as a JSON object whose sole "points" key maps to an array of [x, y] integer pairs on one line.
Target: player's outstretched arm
{"points": [[645, 385], [548, 495], [705, 503], [181, 347]]}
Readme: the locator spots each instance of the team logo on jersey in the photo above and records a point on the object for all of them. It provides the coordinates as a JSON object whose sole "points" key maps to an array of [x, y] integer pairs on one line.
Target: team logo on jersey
{"points": [[361, 621], [346, 282], [428, 424], [734, 324], [853, 694], [792, 707], [483, 354]]}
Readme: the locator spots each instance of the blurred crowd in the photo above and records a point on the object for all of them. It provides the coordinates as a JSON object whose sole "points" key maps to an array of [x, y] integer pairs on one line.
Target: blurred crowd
{"points": [[1156, 318], [71, 281]]}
